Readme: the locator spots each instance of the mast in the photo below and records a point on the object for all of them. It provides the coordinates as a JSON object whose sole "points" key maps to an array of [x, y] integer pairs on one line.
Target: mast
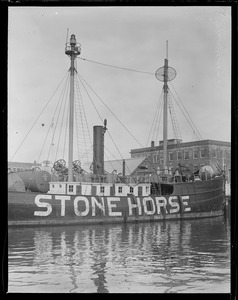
{"points": [[165, 74], [165, 119], [72, 50]]}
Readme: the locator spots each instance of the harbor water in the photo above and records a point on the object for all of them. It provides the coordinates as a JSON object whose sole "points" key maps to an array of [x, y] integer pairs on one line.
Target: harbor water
{"points": [[189, 256]]}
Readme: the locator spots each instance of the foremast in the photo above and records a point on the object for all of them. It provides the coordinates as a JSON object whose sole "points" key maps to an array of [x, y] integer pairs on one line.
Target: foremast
{"points": [[72, 49]]}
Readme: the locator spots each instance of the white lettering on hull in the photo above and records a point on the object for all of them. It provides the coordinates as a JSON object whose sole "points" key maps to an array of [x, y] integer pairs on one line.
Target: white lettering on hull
{"points": [[43, 204], [135, 206], [161, 202], [173, 203], [112, 205], [185, 203], [63, 199], [151, 203], [98, 204], [86, 203], [88, 206]]}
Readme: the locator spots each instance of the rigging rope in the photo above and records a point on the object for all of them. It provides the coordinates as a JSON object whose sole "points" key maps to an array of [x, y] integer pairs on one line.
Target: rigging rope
{"points": [[62, 120], [188, 120], [176, 130], [158, 121], [117, 67], [60, 106], [109, 110], [120, 161], [191, 121], [96, 111], [45, 140], [84, 123], [66, 129], [81, 78], [38, 118], [155, 118], [89, 97], [86, 153]]}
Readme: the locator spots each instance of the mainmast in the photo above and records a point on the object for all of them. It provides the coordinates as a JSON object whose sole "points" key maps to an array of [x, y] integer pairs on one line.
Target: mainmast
{"points": [[165, 74], [72, 49]]}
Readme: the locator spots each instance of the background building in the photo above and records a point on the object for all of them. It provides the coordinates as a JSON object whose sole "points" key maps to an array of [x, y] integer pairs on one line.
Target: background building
{"points": [[22, 166], [191, 155]]}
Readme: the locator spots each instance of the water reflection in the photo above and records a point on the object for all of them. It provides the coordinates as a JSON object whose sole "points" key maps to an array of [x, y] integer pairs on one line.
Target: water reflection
{"points": [[176, 256]]}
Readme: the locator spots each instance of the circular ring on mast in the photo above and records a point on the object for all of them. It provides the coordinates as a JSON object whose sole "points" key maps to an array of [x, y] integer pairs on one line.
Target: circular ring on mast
{"points": [[160, 74]]}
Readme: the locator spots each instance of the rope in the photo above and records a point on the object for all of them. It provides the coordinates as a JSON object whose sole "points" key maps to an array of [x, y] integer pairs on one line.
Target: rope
{"points": [[83, 119], [191, 121], [37, 118], [158, 121], [176, 130], [110, 112], [60, 102], [66, 129], [90, 98], [120, 161], [112, 66], [45, 140], [62, 121], [155, 118]]}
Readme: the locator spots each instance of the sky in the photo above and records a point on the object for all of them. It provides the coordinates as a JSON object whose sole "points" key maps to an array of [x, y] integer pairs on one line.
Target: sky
{"points": [[199, 49]]}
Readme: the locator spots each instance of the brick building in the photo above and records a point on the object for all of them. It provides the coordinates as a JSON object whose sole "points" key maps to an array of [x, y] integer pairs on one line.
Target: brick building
{"points": [[22, 166], [192, 155]]}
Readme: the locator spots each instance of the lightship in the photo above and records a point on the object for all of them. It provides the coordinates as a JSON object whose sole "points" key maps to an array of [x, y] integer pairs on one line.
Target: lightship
{"points": [[77, 197]]}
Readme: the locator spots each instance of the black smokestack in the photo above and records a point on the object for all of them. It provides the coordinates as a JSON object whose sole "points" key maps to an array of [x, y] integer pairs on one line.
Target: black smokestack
{"points": [[98, 149]]}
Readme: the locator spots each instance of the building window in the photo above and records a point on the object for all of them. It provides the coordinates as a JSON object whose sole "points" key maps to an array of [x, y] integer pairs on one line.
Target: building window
{"points": [[224, 154], [186, 154], [195, 168], [155, 158], [227, 154], [195, 153], [179, 155], [131, 189], [120, 189], [202, 152], [71, 188], [146, 189], [171, 156], [102, 189], [214, 152], [161, 161]]}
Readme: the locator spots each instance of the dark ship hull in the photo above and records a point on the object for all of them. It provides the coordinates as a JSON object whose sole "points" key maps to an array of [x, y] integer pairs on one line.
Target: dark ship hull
{"points": [[197, 199]]}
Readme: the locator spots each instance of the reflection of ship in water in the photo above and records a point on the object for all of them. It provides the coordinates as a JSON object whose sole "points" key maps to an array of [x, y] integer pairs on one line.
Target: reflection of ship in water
{"points": [[99, 257], [95, 258]]}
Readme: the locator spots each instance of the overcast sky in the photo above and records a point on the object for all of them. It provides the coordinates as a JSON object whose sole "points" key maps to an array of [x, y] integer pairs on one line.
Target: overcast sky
{"points": [[199, 41]]}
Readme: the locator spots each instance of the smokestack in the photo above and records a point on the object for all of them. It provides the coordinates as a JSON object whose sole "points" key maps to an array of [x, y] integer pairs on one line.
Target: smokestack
{"points": [[98, 149], [123, 168]]}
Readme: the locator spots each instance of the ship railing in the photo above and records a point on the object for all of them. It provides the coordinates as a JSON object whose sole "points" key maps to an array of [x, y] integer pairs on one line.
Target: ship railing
{"points": [[76, 49]]}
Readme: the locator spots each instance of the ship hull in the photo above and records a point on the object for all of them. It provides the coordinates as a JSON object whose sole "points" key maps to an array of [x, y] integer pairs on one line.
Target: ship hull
{"points": [[189, 200]]}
